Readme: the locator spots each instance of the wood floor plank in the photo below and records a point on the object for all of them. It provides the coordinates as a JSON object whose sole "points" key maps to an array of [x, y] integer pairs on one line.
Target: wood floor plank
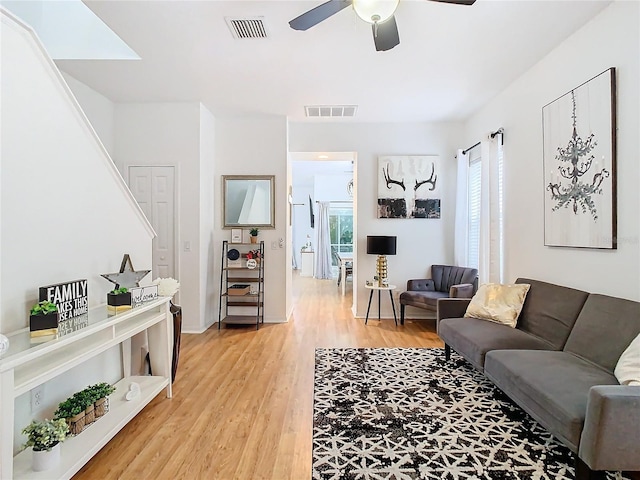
{"points": [[243, 399]]}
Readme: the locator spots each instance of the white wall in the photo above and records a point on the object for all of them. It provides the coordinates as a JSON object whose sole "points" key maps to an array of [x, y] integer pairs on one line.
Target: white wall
{"points": [[257, 146], [208, 191], [65, 212], [169, 134], [99, 110], [420, 242], [301, 222], [611, 39]]}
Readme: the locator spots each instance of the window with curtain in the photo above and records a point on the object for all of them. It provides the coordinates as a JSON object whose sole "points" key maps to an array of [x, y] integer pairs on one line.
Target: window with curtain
{"points": [[485, 188], [341, 228], [474, 186], [500, 208]]}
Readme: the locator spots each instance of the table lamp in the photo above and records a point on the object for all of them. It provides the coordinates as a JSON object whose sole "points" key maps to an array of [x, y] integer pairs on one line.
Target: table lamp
{"points": [[381, 246]]}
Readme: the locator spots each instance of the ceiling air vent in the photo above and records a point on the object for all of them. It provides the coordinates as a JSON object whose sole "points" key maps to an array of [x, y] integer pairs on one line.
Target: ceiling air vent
{"points": [[252, 27], [330, 110]]}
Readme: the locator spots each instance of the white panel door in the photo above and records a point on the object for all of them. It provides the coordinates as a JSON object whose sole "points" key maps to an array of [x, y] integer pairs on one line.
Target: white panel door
{"points": [[140, 186], [154, 190]]}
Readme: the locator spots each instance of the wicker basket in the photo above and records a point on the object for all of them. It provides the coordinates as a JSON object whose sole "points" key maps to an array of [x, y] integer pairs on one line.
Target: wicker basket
{"points": [[89, 415], [76, 423], [101, 407]]}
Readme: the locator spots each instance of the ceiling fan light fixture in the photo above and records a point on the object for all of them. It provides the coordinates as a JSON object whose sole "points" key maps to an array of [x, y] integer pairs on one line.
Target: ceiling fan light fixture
{"points": [[375, 11]]}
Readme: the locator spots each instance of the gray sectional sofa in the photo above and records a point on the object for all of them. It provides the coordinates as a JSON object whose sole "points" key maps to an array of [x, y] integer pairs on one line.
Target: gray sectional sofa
{"points": [[558, 364]]}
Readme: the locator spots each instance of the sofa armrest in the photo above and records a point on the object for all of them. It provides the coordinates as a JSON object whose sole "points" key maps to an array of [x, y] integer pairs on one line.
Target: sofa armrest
{"points": [[421, 284], [452, 307], [462, 290], [609, 438]]}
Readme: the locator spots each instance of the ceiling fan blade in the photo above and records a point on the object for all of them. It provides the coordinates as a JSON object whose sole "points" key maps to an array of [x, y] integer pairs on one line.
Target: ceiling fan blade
{"points": [[457, 2], [318, 14], [385, 35]]}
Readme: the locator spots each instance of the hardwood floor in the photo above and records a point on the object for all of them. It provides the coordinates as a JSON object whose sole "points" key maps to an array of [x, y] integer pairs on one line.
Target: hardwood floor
{"points": [[243, 399]]}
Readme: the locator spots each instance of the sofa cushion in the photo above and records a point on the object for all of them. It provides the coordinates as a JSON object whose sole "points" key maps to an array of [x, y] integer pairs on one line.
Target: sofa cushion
{"points": [[500, 303], [627, 369], [473, 338], [605, 328], [553, 387], [422, 298], [550, 311]]}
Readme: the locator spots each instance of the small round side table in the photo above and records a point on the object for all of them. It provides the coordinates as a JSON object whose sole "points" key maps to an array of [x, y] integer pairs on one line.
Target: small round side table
{"points": [[389, 288]]}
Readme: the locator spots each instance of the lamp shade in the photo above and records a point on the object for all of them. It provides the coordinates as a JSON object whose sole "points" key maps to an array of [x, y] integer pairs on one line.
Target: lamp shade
{"points": [[381, 245], [375, 11]]}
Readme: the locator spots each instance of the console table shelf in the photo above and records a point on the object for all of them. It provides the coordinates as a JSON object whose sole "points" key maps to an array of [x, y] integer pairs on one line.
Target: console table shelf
{"points": [[27, 365], [78, 450]]}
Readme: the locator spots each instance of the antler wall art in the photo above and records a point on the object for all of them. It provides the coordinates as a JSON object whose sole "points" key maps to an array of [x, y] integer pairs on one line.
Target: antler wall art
{"points": [[407, 187]]}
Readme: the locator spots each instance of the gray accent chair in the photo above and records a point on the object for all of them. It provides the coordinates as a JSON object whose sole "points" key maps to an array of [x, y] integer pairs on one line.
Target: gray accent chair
{"points": [[447, 281], [558, 366]]}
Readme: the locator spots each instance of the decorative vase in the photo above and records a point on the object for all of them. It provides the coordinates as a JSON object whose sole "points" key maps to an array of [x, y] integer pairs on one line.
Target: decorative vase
{"points": [[76, 423], [119, 302], [45, 459], [254, 239], [44, 325]]}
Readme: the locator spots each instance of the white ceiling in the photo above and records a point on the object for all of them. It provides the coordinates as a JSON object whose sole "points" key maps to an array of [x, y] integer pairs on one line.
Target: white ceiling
{"points": [[451, 59]]}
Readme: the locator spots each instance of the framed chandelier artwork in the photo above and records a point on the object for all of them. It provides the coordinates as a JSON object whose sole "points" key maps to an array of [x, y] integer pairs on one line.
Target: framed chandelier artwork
{"points": [[408, 187], [579, 137]]}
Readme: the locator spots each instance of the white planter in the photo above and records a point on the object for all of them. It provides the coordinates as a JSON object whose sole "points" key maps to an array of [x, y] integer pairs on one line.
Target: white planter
{"points": [[46, 460]]}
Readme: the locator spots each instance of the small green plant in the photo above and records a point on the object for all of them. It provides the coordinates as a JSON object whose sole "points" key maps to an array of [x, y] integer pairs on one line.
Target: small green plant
{"points": [[68, 409], [101, 390], [84, 398], [118, 291], [46, 434], [44, 308], [254, 232]]}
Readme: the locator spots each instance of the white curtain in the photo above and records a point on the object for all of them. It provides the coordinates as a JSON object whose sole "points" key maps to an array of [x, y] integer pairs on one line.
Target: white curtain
{"points": [[461, 243], [491, 268], [323, 242]]}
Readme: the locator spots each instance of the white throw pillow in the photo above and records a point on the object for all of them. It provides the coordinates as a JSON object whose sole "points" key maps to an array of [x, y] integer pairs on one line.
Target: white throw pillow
{"points": [[500, 303], [628, 367]]}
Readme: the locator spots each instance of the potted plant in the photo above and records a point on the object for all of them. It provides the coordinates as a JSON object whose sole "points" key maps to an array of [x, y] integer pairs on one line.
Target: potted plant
{"points": [[73, 413], [254, 234], [45, 438], [85, 400], [43, 319], [118, 299], [101, 392]]}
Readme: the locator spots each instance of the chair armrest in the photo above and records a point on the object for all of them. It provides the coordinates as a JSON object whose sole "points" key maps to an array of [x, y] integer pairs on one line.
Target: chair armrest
{"points": [[421, 284], [462, 290], [452, 307], [609, 438]]}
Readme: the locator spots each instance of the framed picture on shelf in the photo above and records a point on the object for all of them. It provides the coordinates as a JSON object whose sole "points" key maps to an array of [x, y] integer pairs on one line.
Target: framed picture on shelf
{"points": [[236, 235]]}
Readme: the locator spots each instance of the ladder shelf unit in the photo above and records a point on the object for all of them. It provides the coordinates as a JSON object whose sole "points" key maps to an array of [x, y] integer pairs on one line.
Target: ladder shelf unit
{"points": [[241, 286]]}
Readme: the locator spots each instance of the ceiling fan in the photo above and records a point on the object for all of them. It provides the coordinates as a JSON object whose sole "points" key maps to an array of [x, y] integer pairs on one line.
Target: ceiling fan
{"points": [[379, 13]]}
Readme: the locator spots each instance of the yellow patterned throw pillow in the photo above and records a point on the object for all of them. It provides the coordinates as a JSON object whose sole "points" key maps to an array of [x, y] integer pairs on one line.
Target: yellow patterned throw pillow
{"points": [[500, 303]]}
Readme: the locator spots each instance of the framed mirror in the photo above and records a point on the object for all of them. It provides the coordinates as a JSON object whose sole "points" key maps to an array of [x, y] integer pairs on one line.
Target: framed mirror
{"points": [[248, 201]]}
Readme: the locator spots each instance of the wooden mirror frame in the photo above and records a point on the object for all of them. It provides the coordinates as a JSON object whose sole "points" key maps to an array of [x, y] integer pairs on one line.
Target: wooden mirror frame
{"points": [[238, 180]]}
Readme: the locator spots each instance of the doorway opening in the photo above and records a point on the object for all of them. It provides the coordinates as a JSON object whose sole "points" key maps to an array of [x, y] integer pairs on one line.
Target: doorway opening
{"points": [[324, 218]]}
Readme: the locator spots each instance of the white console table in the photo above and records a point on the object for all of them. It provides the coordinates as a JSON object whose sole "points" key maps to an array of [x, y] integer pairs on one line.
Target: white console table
{"points": [[25, 366]]}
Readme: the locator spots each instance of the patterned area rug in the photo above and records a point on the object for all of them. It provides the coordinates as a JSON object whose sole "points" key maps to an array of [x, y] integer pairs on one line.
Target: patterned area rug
{"points": [[405, 413]]}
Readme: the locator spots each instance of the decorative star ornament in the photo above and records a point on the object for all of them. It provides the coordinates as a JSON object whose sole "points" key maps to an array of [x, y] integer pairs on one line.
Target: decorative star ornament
{"points": [[126, 278]]}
